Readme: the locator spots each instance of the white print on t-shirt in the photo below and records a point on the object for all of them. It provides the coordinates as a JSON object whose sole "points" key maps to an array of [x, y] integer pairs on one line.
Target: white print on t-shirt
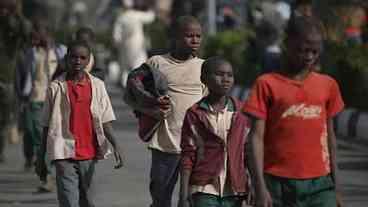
{"points": [[325, 152], [301, 110]]}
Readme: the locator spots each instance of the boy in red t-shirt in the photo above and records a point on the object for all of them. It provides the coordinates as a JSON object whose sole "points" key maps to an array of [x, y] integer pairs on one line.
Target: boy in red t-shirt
{"points": [[292, 143]]}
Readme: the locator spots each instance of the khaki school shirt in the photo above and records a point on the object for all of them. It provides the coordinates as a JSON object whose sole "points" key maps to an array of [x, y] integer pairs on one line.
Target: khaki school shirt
{"points": [[56, 116], [185, 89]]}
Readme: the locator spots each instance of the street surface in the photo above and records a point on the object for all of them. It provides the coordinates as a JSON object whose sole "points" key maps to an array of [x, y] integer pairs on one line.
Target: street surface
{"points": [[128, 187]]}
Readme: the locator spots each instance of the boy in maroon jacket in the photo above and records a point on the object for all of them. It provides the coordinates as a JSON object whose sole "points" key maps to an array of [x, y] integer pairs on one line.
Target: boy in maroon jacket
{"points": [[213, 144]]}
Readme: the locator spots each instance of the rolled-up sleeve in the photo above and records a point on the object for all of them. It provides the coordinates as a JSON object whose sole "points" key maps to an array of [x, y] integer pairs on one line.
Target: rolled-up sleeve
{"points": [[107, 112]]}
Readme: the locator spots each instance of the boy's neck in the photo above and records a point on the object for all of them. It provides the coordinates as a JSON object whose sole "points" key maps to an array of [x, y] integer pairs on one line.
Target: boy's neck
{"points": [[298, 75], [217, 102], [179, 55], [76, 77]]}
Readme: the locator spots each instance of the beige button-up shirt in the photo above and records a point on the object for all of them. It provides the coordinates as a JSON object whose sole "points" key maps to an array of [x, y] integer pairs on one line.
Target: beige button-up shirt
{"points": [[56, 116]]}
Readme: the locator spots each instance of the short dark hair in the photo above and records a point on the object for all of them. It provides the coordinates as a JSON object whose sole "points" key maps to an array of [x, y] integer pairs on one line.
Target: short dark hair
{"points": [[78, 43], [85, 30], [210, 64], [182, 22], [301, 25]]}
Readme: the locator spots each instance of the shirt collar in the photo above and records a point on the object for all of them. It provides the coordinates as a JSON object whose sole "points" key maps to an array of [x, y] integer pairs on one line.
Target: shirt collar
{"points": [[230, 106]]}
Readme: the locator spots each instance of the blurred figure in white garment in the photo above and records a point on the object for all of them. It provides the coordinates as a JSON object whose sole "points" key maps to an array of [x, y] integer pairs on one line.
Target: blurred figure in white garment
{"points": [[128, 36]]}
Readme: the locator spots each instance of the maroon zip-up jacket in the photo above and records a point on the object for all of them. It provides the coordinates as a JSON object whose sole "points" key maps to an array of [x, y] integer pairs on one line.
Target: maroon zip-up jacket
{"points": [[197, 128]]}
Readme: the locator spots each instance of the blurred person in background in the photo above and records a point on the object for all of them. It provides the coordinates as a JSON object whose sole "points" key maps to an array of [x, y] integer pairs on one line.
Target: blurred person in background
{"points": [[270, 28], [34, 74], [13, 31], [128, 36], [303, 8], [356, 20]]}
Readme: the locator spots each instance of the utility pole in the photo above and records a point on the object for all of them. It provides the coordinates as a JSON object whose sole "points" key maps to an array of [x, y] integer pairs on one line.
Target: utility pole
{"points": [[211, 16]]}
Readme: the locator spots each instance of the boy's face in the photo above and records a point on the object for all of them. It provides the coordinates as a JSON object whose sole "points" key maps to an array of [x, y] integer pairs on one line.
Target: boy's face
{"points": [[78, 58], [220, 80], [7, 8], [304, 51], [305, 10], [189, 38], [39, 38]]}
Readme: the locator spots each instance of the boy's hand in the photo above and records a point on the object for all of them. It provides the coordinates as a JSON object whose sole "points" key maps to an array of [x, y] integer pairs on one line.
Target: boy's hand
{"points": [[41, 168], [164, 107], [339, 199], [164, 100], [118, 159], [263, 199]]}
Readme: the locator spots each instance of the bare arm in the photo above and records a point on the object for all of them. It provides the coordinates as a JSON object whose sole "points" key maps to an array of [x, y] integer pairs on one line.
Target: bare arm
{"points": [[184, 188], [110, 135], [256, 153], [256, 160], [332, 149]]}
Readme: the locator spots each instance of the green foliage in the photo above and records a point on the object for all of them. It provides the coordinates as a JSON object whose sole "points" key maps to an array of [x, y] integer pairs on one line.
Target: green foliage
{"points": [[157, 32], [234, 46], [348, 64]]}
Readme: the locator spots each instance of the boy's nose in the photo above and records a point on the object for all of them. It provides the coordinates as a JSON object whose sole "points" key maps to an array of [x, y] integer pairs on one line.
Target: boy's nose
{"points": [[196, 40]]}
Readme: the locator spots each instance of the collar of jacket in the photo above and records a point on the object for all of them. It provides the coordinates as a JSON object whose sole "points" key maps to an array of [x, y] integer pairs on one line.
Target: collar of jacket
{"points": [[233, 104]]}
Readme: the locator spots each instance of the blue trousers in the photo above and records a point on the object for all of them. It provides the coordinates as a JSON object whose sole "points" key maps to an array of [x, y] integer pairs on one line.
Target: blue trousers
{"points": [[74, 180], [165, 169]]}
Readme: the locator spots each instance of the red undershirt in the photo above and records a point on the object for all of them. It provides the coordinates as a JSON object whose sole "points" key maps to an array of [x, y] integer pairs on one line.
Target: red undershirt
{"points": [[81, 126]]}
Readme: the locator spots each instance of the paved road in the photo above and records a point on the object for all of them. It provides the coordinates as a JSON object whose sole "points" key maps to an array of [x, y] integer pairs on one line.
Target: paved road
{"points": [[128, 187]]}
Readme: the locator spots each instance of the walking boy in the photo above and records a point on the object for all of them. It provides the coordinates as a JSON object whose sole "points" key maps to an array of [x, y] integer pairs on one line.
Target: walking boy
{"points": [[213, 171], [34, 74], [293, 144], [182, 68], [86, 34], [77, 127]]}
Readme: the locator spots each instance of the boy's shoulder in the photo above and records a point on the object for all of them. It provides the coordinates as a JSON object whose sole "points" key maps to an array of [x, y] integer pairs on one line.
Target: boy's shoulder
{"points": [[323, 77], [277, 77], [268, 78], [235, 104], [157, 60], [96, 82]]}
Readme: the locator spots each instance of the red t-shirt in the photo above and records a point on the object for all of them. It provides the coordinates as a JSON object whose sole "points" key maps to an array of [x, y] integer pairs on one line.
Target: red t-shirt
{"points": [[81, 126], [296, 113]]}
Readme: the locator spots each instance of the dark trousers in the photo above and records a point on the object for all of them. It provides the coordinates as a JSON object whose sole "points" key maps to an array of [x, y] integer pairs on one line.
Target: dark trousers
{"points": [[74, 181], [315, 192], [164, 175], [32, 129], [208, 200], [7, 113]]}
